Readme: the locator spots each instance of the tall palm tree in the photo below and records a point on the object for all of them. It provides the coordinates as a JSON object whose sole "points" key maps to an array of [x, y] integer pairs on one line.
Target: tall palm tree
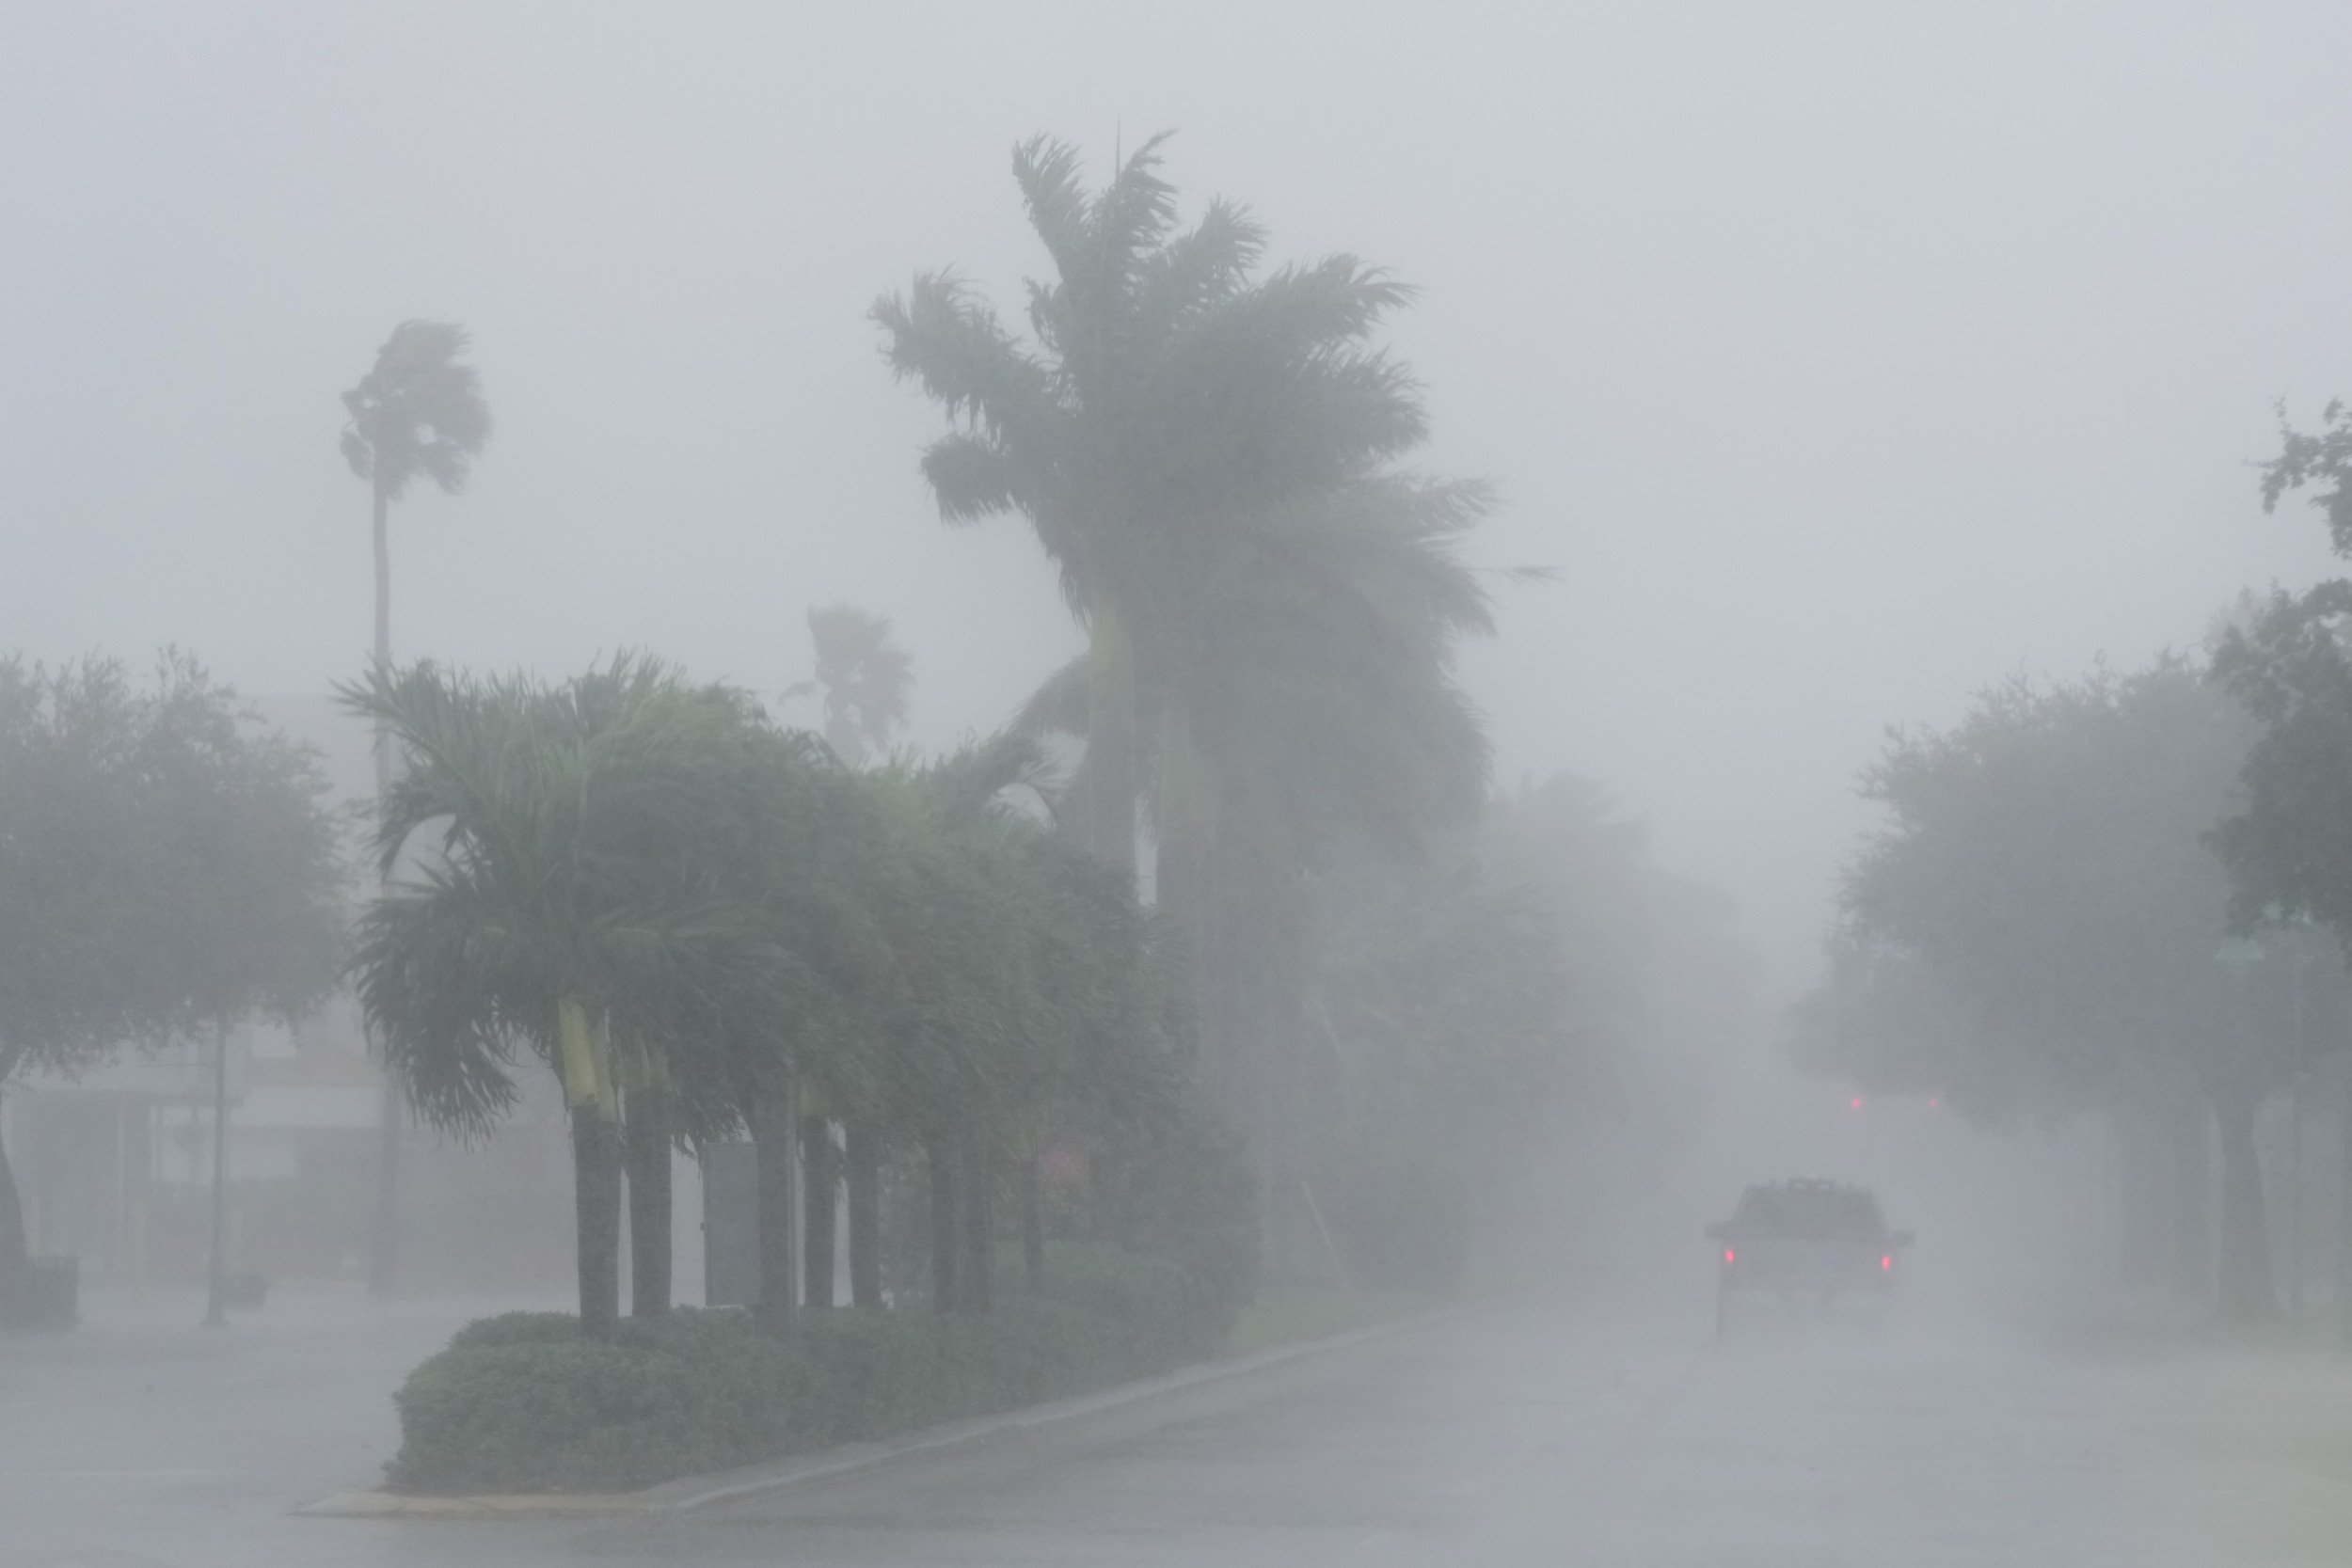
{"points": [[572, 900], [418, 410], [1171, 395], [1208, 454]]}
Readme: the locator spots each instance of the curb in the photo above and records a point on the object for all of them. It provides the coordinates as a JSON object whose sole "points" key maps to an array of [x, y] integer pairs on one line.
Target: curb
{"points": [[689, 1492]]}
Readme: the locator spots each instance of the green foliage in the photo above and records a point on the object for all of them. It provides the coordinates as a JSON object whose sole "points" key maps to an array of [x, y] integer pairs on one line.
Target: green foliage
{"points": [[862, 676], [589, 842], [418, 410], [165, 865], [2290, 848], [1205, 450], [2321, 461], [1210, 452], [2043, 927], [524, 1402], [912, 947], [167, 868], [2048, 869], [1182, 1189]]}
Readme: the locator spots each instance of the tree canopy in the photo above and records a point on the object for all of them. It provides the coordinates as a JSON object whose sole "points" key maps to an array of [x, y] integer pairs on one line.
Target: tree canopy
{"points": [[418, 411], [640, 881], [166, 868], [2044, 924]]}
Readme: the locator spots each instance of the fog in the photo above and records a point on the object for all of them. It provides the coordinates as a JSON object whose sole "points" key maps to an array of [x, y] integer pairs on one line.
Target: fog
{"points": [[1836, 364], [1841, 360]]}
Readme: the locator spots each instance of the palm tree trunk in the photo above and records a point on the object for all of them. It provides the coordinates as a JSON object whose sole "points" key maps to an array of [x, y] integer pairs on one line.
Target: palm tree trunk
{"points": [[2247, 1293], [384, 1230], [649, 1201], [940, 1166], [976, 1275], [861, 1174], [820, 1187], [1033, 1222], [1113, 775], [596, 1199], [771, 1154]]}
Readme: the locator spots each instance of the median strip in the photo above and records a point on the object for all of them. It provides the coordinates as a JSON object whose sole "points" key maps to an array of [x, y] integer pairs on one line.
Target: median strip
{"points": [[689, 1492]]}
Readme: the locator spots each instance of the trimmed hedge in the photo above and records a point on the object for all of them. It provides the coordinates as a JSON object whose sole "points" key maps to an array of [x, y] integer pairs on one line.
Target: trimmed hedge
{"points": [[523, 1404]]}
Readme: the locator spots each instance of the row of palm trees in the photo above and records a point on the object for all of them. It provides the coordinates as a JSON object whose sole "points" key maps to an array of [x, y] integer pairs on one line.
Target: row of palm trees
{"points": [[1210, 453], [704, 922]]}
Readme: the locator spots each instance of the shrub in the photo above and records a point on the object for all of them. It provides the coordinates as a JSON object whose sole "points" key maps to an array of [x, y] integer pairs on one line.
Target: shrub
{"points": [[523, 1402], [1183, 1191]]}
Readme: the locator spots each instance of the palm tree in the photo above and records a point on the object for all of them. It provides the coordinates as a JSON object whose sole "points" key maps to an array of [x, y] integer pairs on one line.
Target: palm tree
{"points": [[418, 411], [1207, 454], [1170, 396], [946, 1020], [862, 677], [572, 901]]}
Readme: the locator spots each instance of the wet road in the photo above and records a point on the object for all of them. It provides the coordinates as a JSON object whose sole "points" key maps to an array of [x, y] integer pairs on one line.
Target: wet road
{"points": [[1502, 1437]]}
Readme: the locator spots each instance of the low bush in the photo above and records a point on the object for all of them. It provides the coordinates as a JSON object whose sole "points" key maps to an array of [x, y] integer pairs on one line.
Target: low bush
{"points": [[522, 1402]]}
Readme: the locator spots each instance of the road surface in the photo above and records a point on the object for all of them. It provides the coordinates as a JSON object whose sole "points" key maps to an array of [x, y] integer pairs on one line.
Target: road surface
{"points": [[1508, 1436]]}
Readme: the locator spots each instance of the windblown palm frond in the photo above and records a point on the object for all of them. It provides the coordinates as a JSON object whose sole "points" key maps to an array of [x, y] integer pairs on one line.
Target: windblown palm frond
{"points": [[863, 677], [418, 411]]}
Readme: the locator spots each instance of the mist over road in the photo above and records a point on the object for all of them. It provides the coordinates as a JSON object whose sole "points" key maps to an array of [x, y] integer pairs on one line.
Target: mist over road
{"points": [[1525, 1436], [1524, 1439]]}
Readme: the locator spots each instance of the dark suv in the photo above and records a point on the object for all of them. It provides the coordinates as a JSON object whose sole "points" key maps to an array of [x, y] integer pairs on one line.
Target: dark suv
{"points": [[1806, 1241]]}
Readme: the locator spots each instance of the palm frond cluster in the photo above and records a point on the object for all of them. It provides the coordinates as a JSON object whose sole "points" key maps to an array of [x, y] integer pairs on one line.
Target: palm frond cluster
{"points": [[418, 410], [685, 911]]}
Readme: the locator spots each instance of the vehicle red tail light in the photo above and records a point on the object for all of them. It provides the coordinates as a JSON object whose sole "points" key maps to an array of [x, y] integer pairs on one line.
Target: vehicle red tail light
{"points": [[1886, 1262], [1729, 1258]]}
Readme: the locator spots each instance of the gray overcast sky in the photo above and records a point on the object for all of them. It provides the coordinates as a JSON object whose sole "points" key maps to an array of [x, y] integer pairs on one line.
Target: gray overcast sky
{"points": [[1844, 359]]}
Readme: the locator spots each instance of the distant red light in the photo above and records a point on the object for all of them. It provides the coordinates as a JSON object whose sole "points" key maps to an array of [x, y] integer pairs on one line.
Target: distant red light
{"points": [[1934, 1100], [1729, 1258], [1886, 1262], [1856, 1102]]}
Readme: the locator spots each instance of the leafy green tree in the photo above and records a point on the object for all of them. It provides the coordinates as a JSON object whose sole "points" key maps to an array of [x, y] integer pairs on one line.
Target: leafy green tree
{"points": [[418, 411], [2286, 659], [165, 870], [2046, 915], [249, 917]]}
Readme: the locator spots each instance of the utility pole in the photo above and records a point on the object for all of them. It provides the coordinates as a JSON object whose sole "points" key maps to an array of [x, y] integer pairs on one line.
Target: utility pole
{"points": [[216, 1282], [2298, 1074], [384, 1224]]}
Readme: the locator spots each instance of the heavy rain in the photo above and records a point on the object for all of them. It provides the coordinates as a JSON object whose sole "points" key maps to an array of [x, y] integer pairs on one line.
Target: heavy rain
{"points": [[1240, 784]]}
